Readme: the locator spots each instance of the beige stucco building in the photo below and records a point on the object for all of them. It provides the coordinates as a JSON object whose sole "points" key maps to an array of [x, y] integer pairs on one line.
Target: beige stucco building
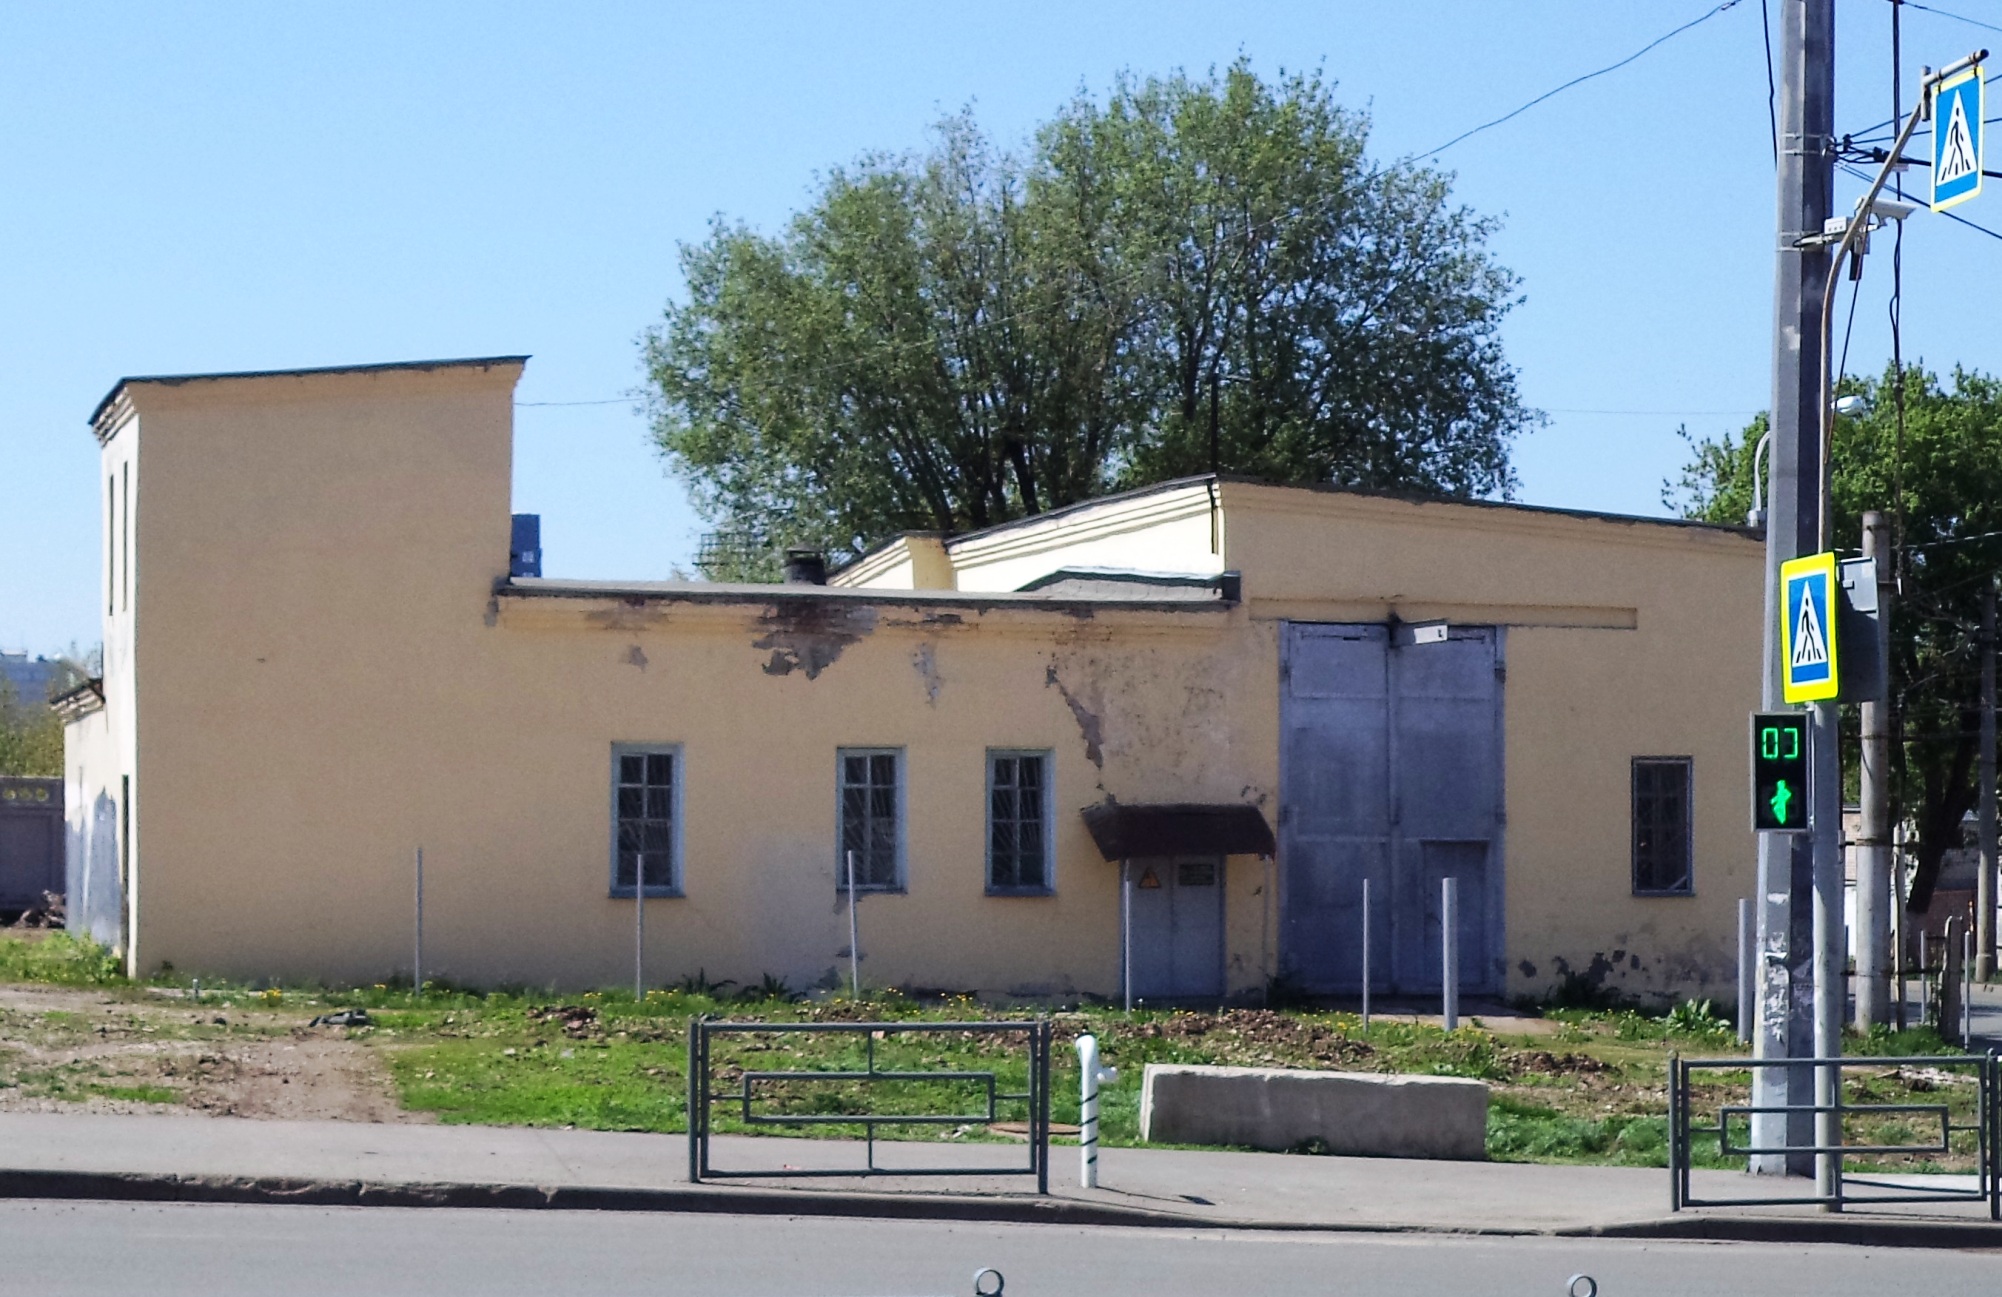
{"points": [[316, 662]]}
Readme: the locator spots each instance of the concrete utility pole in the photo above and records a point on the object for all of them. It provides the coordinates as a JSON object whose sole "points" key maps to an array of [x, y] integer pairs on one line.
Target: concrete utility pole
{"points": [[1786, 861], [1984, 896], [1873, 843]]}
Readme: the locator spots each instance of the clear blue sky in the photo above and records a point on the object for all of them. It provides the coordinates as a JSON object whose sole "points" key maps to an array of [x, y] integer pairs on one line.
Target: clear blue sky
{"points": [[234, 186]]}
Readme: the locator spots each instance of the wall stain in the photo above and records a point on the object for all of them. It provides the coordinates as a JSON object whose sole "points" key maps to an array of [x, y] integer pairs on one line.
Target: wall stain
{"points": [[1088, 723], [636, 656], [810, 636], [628, 614], [924, 659]]}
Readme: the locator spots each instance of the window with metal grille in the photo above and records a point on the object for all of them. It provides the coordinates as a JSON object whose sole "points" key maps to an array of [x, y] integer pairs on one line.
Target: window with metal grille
{"points": [[871, 818], [1018, 821], [646, 814], [1663, 852]]}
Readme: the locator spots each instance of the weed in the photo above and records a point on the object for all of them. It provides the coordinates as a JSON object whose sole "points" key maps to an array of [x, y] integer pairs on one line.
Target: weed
{"points": [[698, 983], [61, 957], [769, 987], [1697, 1018]]}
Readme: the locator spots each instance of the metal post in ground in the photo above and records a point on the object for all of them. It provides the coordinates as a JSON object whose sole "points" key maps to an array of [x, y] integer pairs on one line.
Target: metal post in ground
{"points": [[1365, 954], [1748, 969], [1092, 1074], [1984, 892], [1925, 978], [1966, 989], [1449, 950], [417, 953], [1900, 945], [1873, 842], [639, 927], [854, 937], [1126, 931]]}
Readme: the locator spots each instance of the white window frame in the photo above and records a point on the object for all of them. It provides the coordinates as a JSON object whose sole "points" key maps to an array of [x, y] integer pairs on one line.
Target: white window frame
{"points": [[673, 887], [1049, 883], [841, 757]]}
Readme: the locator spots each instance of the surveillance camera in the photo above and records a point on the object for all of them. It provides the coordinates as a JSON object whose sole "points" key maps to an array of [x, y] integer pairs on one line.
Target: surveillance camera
{"points": [[1890, 209]]}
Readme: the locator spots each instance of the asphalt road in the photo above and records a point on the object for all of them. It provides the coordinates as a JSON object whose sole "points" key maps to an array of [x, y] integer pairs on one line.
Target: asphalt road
{"points": [[54, 1248]]}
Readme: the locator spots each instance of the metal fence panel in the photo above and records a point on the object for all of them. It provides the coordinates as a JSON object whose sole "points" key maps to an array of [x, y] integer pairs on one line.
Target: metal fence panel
{"points": [[752, 1085], [1861, 1188]]}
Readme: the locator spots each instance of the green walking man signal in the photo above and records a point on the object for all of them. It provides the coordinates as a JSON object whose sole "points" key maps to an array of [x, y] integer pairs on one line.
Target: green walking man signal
{"points": [[1779, 772]]}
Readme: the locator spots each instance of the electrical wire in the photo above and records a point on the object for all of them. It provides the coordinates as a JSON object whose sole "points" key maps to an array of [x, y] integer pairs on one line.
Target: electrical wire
{"points": [[1704, 17], [1772, 92], [1943, 13], [1855, 289], [1312, 210], [1993, 234]]}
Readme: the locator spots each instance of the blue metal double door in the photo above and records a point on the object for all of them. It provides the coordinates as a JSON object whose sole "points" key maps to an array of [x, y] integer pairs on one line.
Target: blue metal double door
{"points": [[1391, 771]]}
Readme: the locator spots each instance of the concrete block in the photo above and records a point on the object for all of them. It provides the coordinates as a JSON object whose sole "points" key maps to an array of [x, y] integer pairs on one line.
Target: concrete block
{"points": [[1360, 1114]]}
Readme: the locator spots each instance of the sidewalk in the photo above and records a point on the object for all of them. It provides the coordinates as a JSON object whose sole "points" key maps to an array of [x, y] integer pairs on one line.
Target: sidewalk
{"points": [[226, 1159]]}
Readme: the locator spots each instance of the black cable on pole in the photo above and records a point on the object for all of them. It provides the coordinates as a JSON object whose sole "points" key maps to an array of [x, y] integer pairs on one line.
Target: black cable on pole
{"points": [[1855, 288], [1772, 92], [1703, 17], [1944, 13]]}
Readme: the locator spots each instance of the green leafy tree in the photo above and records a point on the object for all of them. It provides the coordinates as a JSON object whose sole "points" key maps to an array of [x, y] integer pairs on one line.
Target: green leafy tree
{"points": [[31, 736], [1192, 274], [1945, 484]]}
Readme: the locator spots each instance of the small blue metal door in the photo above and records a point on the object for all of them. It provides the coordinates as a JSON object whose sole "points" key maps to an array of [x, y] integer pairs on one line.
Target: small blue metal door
{"points": [[1177, 928], [1390, 770]]}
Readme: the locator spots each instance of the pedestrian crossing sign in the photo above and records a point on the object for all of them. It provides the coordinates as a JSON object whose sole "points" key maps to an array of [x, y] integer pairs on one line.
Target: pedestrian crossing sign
{"points": [[1956, 140], [1808, 664]]}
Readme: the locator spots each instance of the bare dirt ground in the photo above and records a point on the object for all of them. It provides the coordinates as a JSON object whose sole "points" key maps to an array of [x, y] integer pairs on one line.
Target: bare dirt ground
{"points": [[65, 1049]]}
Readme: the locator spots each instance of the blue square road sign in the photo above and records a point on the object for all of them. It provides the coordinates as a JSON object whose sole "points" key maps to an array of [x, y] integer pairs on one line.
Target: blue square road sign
{"points": [[1956, 139]]}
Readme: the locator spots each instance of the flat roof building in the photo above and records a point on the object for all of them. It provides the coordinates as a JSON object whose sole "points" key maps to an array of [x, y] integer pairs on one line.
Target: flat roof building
{"points": [[1162, 737]]}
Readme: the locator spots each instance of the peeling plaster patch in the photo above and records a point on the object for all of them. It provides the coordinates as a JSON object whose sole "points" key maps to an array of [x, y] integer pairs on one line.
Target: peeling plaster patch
{"points": [[925, 660], [636, 656], [810, 637], [1088, 723]]}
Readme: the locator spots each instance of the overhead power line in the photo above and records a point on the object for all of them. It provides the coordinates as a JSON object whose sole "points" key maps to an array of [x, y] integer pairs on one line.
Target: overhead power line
{"points": [[1944, 13], [1313, 209], [1704, 17]]}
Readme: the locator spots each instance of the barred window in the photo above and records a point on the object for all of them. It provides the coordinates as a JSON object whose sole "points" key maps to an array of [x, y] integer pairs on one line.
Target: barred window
{"points": [[871, 818], [1663, 853], [1018, 819], [645, 810]]}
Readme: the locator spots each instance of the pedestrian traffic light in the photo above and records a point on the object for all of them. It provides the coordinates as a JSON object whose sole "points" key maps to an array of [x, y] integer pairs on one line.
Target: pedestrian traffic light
{"points": [[1779, 772]]}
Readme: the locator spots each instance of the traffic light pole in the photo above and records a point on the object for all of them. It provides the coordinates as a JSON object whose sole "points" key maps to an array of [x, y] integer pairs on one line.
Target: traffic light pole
{"points": [[1786, 1026]]}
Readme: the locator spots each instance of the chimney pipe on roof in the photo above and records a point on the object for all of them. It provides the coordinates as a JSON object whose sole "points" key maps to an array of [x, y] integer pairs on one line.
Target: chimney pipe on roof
{"points": [[806, 567]]}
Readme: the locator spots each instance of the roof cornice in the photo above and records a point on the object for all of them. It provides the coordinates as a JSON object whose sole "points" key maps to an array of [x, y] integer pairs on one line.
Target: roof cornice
{"points": [[118, 389]]}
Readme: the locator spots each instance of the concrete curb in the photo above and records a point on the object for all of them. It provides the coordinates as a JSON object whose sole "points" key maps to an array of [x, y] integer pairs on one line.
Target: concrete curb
{"points": [[111, 1186], [1875, 1231]]}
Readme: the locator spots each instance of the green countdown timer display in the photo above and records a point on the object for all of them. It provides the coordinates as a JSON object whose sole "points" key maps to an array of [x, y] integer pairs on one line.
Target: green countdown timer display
{"points": [[1779, 772]]}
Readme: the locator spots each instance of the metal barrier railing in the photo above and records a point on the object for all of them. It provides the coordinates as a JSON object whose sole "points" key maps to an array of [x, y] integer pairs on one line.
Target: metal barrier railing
{"points": [[753, 1085], [1979, 1132]]}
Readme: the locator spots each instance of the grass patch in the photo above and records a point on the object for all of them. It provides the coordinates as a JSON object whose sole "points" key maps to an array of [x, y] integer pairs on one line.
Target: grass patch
{"points": [[136, 1093], [1586, 1084], [59, 957]]}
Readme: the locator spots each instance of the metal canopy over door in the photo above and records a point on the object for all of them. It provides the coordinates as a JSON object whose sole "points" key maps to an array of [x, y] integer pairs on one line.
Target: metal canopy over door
{"points": [[1177, 927], [1391, 770]]}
